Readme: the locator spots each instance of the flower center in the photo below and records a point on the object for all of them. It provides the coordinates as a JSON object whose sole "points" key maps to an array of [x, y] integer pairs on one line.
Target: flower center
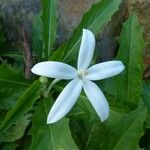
{"points": [[82, 73]]}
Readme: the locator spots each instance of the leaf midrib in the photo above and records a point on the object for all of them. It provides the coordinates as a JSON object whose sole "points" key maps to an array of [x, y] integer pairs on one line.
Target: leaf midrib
{"points": [[14, 82]]}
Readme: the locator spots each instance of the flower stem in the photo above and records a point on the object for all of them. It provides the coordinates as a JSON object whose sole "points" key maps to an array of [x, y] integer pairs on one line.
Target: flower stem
{"points": [[50, 87]]}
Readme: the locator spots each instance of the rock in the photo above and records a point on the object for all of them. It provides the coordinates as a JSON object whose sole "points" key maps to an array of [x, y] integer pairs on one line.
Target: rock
{"points": [[70, 13], [142, 8]]}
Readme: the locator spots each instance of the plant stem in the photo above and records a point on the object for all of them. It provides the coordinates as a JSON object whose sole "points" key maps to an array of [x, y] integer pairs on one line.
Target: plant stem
{"points": [[50, 87]]}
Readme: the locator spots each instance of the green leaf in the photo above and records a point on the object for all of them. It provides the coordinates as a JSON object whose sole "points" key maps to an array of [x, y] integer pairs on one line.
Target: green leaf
{"points": [[9, 146], [10, 78], [16, 131], [120, 132], [50, 137], [131, 128], [12, 54], [57, 55], [12, 84], [23, 105], [146, 99], [146, 93], [49, 25], [94, 20], [129, 83], [9, 97]]}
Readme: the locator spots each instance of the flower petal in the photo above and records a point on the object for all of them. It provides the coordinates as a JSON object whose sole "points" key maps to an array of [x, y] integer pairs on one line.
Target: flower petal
{"points": [[65, 101], [86, 49], [97, 99], [105, 70], [54, 69]]}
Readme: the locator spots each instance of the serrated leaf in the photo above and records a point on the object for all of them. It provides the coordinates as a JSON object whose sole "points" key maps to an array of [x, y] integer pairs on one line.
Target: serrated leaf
{"points": [[23, 105], [94, 20], [129, 83], [16, 131], [53, 136], [12, 84], [49, 25]]}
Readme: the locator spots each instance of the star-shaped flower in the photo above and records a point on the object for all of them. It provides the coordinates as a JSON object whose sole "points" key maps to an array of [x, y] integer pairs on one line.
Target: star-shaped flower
{"points": [[81, 78]]}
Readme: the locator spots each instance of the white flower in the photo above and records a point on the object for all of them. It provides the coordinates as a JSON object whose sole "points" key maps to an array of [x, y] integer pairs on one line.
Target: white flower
{"points": [[81, 77]]}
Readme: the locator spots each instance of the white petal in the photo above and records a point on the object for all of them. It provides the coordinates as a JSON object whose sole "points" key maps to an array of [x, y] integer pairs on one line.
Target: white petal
{"points": [[65, 101], [97, 99], [54, 69], [105, 70], [86, 49]]}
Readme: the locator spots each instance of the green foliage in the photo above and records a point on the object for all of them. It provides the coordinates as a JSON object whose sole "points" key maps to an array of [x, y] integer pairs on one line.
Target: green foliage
{"points": [[128, 85], [129, 127], [8, 98], [16, 131], [49, 25], [23, 105], [146, 99], [10, 78], [94, 20], [9, 146], [54, 137], [114, 134], [37, 37], [12, 84], [89, 132], [58, 54], [15, 55], [146, 93], [130, 53]]}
